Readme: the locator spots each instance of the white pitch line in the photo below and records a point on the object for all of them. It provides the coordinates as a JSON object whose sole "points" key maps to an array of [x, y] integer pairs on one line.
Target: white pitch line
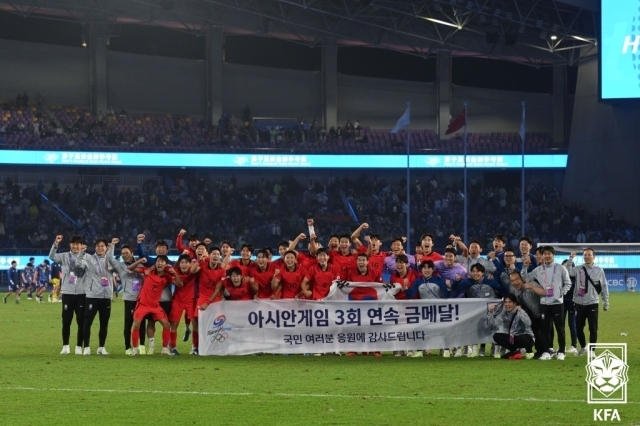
{"points": [[299, 395]]}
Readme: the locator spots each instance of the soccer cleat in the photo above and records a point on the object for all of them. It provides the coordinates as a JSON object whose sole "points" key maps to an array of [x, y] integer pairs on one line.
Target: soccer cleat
{"points": [[458, 353], [78, 350], [307, 354], [135, 351], [29, 298], [417, 354], [187, 333], [571, 350], [446, 353], [165, 351], [102, 351], [481, 351], [529, 355], [545, 357], [560, 356], [192, 350], [195, 352], [87, 351], [581, 352], [65, 350], [128, 351], [474, 352], [151, 349], [17, 300], [143, 350], [377, 354], [411, 353], [50, 299], [426, 352], [337, 353], [516, 355], [351, 354], [317, 354], [39, 299], [397, 353], [175, 352], [4, 299]]}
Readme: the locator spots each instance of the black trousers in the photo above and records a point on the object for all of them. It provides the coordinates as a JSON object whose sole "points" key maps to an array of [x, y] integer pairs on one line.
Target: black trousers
{"points": [[535, 327], [523, 341], [166, 307], [102, 307], [587, 313], [129, 307], [72, 304], [552, 315]]}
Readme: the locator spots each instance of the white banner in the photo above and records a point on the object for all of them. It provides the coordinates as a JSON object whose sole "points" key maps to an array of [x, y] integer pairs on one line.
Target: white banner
{"points": [[301, 326]]}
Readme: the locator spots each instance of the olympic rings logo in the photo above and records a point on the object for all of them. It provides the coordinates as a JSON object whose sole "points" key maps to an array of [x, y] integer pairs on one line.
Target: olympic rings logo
{"points": [[219, 338]]}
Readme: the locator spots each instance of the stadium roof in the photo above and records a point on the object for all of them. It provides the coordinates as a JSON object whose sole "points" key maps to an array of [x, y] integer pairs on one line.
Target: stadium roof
{"points": [[536, 32]]}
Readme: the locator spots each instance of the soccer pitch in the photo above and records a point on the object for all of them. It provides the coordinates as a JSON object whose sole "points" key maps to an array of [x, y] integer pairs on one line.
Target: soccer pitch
{"points": [[41, 387]]}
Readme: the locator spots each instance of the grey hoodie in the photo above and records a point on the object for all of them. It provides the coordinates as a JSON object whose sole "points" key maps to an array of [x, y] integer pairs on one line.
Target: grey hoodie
{"points": [[590, 296], [96, 269], [554, 279], [131, 281], [502, 320], [68, 262]]}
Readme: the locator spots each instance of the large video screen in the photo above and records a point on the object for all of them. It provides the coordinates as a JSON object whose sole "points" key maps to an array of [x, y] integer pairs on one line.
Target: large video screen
{"points": [[619, 50], [291, 161]]}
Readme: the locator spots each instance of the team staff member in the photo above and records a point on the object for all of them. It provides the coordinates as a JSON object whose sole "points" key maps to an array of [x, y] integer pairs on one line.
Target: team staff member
{"points": [[470, 256], [529, 295], [591, 282], [14, 282], [98, 286], [156, 279], [131, 285], [71, 289], [515, 328]]}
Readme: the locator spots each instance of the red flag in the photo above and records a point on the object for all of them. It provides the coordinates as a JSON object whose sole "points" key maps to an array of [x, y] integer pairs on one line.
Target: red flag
{"points": [[457, 123]]}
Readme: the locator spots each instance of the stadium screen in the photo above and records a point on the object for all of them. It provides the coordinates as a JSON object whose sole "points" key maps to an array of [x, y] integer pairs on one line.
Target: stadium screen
{"points": [[618, 47]]}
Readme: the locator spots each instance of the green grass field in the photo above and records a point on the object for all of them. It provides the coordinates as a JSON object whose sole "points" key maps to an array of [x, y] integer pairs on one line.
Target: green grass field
{"points": [[41, 387]]}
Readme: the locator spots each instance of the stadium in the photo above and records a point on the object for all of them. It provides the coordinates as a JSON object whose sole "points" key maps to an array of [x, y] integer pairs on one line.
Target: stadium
{"points": [[319, 211]]}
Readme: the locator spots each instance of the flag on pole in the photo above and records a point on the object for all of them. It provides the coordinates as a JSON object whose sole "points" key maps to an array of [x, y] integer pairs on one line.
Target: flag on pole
{"points": [[522, 124], [402, 121], [457, 123]]}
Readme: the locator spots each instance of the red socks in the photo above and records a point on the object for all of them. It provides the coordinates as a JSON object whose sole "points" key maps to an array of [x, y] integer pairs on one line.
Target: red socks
{"points": [[166, 335], [174, 338], [135, 337], [194, 338]]}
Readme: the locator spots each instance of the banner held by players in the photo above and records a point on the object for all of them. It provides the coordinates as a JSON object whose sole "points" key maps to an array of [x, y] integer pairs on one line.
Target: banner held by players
{"points": [[300, 326]]}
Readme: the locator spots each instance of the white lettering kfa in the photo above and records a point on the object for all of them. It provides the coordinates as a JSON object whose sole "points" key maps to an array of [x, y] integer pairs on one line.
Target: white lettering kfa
{"points": [[628, 43], [604, 415]]}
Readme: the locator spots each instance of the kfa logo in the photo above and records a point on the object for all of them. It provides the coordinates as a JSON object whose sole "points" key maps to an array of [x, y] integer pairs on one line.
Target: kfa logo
{"points": [[606, 415], [607, 374]]}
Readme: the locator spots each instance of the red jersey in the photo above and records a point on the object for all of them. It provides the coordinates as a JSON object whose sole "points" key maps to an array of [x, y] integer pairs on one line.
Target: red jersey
{"points": [[278, 264], [186, 293], [433, 256], [376, 260], [370, 277], [410, 277], [343, 262], [321, 280], [306, 260], [182, 247], [242, 292], [244, 268], [152, 288], [263, 279], [291, 281], [209, 279]]}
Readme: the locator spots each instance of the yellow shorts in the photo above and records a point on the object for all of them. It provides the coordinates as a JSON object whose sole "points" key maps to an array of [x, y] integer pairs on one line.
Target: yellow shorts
{"points": [[55, 282]]}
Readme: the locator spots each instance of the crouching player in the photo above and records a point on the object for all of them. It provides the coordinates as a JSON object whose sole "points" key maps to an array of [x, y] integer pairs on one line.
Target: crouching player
{"points": [[156, 279], [235, 286], [514, 328]]}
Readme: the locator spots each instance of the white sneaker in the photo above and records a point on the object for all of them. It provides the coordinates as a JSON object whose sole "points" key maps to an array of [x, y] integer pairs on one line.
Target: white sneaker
{"points": [[192, 351], [102, 351], [552, 352], [87, 351], [581, 352], [417, 354], [78, 350], [446, 353], [165, 351], [317, 354], [545, 357], [497, 351], [458, 353], [411, 353], [150, 349], [571, 350], [135, 351], [65, 350], [560, 356], [481, 352], [529, 355], [473, 351]]}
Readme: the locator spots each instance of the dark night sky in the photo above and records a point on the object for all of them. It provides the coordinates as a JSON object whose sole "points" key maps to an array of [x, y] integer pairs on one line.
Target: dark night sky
{"points": [[253, 50]]}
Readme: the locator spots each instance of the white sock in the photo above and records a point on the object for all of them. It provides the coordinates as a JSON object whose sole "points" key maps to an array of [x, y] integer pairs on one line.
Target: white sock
{"points": [[152, 341]]}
